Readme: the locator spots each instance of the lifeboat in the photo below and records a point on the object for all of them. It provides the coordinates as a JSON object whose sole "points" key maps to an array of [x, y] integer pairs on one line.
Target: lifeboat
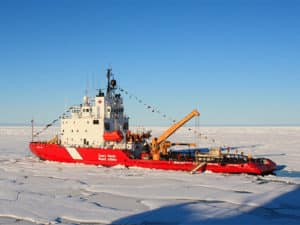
{"points": [[115, 136]]}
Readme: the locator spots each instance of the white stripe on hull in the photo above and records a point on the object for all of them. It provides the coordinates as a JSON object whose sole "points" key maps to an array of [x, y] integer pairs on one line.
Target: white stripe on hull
{"points": [[74, 153]]}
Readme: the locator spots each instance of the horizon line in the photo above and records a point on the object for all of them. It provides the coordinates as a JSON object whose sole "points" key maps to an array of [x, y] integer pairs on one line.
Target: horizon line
{"points": [[203, 125]]}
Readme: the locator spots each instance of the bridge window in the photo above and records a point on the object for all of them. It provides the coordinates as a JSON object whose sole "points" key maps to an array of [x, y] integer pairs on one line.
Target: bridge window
{"points": [[125, 126], [107, 126]]}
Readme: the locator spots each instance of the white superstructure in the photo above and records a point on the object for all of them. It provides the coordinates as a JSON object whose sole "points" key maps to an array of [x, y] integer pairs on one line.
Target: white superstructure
{"points": [[91, 121]]}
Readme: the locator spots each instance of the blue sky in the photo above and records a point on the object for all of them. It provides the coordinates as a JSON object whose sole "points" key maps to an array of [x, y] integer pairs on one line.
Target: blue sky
{"points": [[238, 62]]}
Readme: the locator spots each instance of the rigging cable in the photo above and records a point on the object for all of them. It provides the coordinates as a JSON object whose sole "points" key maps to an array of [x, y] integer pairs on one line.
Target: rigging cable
{"points": [[53, 122], [165, 116], [148, 107]]}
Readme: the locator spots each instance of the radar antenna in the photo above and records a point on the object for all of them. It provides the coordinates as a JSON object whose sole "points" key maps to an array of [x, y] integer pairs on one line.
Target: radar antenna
{"points": [[111, 83]]}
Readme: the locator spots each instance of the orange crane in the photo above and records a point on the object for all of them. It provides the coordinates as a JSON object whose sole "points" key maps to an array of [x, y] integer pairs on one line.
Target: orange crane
{"points": [[160, 144]]}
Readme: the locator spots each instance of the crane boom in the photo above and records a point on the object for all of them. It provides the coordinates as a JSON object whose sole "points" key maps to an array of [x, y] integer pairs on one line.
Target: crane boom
{"points": [[176, 126], [160, 144]]}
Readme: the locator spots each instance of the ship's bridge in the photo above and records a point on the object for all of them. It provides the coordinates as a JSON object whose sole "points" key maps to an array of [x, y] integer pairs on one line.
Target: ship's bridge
{"points": [[90, 122]]}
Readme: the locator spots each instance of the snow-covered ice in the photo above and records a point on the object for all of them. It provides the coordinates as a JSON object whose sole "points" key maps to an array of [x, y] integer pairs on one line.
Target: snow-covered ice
{"points": [[41, 192]]}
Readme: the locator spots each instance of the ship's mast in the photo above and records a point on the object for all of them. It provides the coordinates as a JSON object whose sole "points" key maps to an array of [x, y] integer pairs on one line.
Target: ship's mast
{"points": [[108, 75], [111, 84]]}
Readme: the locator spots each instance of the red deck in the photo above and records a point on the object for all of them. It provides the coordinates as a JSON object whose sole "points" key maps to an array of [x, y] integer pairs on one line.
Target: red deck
{"points": [[113, 157]]}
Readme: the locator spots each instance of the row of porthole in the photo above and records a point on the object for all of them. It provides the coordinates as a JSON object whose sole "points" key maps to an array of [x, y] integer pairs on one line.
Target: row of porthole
{"points": [[73, 140], [81, 139], [73, 131], [76, 145], [66, 122]]}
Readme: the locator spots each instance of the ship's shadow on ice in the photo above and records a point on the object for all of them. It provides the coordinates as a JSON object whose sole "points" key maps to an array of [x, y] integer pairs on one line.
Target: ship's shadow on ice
{"points": [[284, 209], [281, 172], [287, 173], [280, 167]]}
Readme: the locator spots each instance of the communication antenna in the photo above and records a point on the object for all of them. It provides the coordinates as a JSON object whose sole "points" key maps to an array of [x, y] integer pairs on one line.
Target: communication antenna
{"points": [[66, 102], [93, 82], [87, 85]]}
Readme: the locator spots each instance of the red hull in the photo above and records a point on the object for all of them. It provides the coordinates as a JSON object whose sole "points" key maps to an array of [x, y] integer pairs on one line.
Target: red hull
{"points": [[113, 157]]}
